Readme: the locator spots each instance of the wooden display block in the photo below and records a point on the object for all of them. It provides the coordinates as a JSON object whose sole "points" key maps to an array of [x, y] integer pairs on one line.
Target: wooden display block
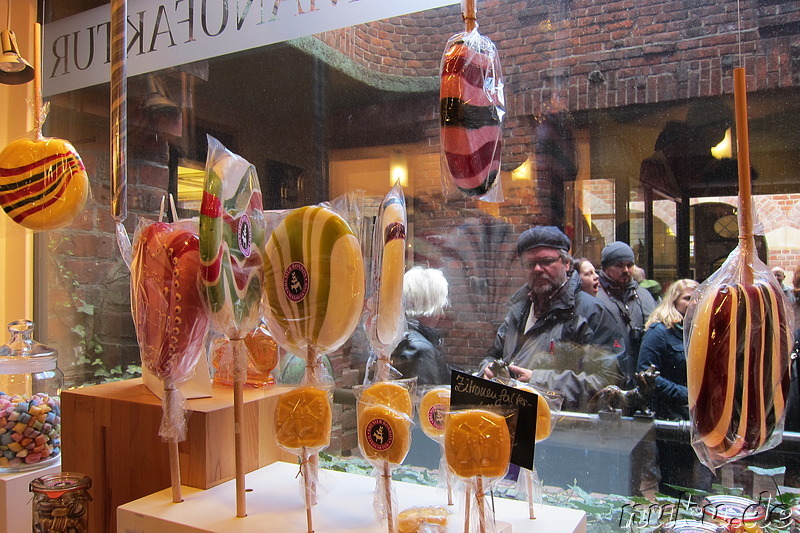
{"points": [[110, 433], [274, 503]]}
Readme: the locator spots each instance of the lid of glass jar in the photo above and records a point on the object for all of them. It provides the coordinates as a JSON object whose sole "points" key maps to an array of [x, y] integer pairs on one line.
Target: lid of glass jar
{"points": [[55, 485], [22, 354]]}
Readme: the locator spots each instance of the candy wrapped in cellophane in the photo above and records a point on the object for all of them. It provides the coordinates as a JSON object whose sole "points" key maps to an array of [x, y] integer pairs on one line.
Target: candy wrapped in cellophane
{"points": [[384, 316], [472, 109], [739, 337], [314, 297], [232, 238], [477, 444], [171, 321], [548, 407], [385, 412]]}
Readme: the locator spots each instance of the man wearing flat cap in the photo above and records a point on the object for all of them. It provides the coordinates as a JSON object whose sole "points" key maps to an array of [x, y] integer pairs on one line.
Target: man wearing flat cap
{"points": [[629, 303], [556, 336]]}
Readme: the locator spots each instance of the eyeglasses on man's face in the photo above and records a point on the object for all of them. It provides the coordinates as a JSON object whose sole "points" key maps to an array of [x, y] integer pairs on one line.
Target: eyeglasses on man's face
{"points": [[530, 264]]}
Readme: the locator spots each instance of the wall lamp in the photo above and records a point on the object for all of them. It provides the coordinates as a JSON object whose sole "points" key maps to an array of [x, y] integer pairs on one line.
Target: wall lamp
{"points": [[14, 70]]}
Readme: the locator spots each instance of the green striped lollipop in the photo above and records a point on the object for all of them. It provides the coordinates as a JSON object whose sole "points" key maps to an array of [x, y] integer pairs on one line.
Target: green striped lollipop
{"points": [[314, 281]]}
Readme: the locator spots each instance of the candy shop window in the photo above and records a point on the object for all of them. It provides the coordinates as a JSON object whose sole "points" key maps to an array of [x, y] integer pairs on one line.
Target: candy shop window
{"points": [[606, 116]]}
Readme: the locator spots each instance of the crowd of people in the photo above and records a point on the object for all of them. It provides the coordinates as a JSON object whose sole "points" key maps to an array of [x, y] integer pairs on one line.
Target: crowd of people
{"points": [[576, 330]]}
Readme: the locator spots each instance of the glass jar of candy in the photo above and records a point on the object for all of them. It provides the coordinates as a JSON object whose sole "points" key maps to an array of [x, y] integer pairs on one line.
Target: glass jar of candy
{"points": [[30, 403], [61, 503]]}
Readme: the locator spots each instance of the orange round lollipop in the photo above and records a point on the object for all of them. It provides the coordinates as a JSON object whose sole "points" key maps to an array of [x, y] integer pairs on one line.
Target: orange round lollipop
{"points": [[384, 434], [477, 443], [432, 408], [390, 394]]}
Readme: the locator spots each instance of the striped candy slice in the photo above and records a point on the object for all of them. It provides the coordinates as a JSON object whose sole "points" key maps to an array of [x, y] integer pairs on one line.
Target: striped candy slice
{"points": [[43, 183], [314, 281], [232, 238], [737, 381], [470, 119]]}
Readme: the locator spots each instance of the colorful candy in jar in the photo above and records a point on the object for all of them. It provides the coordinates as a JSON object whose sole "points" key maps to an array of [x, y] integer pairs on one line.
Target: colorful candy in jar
{"points": [[30, 430]]}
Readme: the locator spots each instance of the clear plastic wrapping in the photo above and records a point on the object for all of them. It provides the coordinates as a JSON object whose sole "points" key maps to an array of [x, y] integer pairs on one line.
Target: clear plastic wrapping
{"points": [[314, 282], [738, 336], [232, 238], [171, 321], [384, 315], [472, 109], [384, 437], [43, 183], [478, 449], [262, 358]]}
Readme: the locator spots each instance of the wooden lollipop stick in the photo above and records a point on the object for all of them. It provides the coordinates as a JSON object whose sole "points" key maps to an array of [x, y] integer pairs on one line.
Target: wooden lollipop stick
{"points": [[743, 156], [481, 506], [37, 78], [387, 487], [306, 468], [174, 456], [239, 376], [470, 20], [529, 489], [467, 509]]}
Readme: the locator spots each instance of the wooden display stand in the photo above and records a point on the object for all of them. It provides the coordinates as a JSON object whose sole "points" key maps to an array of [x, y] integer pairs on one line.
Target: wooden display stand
{"points": [[275, 503], [110, 433], [15, 498]]}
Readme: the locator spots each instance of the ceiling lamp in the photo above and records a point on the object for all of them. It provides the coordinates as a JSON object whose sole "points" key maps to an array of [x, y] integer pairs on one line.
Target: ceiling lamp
{"points": [[14, 70]]}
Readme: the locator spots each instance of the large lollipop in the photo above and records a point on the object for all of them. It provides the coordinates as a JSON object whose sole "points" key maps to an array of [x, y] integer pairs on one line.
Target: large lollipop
{"points": [[738, 340], [477, 444], [232, 237], [171, 322], [472, 109], [314, 285]]}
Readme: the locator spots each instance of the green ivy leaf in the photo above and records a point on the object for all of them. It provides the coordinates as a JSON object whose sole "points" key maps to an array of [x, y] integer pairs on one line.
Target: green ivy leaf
{"points": [[87, 309]]}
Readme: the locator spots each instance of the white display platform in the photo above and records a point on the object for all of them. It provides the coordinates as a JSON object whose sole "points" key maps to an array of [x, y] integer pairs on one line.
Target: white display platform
{"points": [[16, 497], [274, 503]]}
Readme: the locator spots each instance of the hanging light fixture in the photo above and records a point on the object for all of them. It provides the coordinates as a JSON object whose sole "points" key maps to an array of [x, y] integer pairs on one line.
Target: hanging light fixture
{"points": [[14, 70]]}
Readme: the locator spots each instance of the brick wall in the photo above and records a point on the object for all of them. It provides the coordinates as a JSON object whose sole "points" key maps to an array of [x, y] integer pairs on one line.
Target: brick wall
{"points": [[564, 55]]}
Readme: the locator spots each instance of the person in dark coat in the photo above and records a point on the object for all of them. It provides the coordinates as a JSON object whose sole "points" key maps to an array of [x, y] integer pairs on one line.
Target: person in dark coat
{"points": [[629, 304], [555, 336], [662, 347], [425, 292]]}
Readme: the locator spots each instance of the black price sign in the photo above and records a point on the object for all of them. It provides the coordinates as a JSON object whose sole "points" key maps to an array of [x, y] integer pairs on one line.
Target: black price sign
{"points": [[468, 390]]}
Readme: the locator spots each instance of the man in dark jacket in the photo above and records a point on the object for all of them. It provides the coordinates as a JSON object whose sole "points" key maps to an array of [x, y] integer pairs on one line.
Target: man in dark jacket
{"points": [[555, 336], [630, 304]]}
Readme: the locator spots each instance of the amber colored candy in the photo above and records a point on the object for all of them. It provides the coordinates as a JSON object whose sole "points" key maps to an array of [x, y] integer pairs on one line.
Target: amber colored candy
{"points": [[384, 434], [303, 419], [414, 519], [432, 408], [390, 394], [477, 443], [544, 425]]}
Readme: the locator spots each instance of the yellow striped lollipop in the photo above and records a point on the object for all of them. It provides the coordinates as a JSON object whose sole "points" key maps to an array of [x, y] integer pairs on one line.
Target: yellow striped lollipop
{"points": [[314, 281], [43, 183]]}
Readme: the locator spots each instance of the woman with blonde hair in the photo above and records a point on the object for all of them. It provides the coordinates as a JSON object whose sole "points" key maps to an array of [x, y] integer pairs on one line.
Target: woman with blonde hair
{"points": [[662, 347]]}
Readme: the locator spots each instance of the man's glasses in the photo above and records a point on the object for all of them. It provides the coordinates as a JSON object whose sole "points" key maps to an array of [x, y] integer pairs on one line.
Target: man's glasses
{"points": [[544, 263]]}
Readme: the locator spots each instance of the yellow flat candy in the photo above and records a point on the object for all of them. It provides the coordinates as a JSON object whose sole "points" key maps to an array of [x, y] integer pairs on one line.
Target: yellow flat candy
{"points": [[384, 434], [477, 443], [544, 424], [414, 519], [303, 419], [432, 408], [390, 394]]}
